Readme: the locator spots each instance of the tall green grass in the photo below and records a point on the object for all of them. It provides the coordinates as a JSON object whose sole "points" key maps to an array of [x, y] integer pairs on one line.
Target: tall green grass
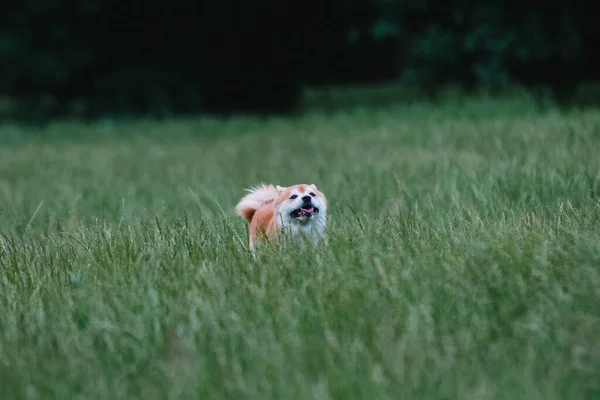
{"points": [[464, 257]]}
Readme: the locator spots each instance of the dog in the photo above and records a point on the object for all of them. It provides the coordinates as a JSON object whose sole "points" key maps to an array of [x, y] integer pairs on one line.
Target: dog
{"points": [[274, 212]]}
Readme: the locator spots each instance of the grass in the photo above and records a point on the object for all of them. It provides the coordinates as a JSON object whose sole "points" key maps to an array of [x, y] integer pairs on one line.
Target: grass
{"points": [[464, 257]]}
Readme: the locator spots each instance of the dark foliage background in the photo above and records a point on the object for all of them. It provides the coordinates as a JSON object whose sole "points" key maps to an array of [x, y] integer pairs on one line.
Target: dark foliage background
{"points": [[182, 56]]}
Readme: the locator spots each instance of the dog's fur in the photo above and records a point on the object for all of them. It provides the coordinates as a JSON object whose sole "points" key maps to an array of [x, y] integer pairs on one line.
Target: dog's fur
{"points": [[272, 212]]}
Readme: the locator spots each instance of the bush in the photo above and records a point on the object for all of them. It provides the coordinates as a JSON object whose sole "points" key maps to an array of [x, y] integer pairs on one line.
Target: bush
{"points": [[179, 57], [229, 56]]}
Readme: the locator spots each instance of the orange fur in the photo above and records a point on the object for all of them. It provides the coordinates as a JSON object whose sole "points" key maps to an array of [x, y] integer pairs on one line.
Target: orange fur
{"points": [[266, 209]]}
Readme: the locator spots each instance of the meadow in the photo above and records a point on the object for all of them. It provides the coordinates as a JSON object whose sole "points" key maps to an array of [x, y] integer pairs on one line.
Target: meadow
{"points": [[463, 258]]}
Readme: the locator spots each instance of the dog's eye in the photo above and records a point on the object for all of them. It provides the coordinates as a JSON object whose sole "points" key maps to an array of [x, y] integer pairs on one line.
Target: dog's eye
{"points": [[293, 196], [312, 194]]}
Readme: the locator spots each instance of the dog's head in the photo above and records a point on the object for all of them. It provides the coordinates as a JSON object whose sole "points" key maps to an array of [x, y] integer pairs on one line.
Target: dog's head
{"points": [[300, 204]]}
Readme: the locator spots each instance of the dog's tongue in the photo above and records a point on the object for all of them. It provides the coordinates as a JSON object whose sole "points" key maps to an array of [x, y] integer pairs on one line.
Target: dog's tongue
{"points": [[308, 210]]}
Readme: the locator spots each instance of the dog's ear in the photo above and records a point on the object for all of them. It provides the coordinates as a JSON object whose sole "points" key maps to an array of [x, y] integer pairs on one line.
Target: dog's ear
{"points": [[279, 188], [312, 185]]}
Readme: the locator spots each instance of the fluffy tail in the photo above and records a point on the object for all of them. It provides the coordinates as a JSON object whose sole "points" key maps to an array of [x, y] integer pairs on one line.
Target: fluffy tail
{"points": [[256, 197]]}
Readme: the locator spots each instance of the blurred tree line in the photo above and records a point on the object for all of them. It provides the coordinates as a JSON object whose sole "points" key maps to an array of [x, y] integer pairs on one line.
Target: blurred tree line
{"points": [[232, 55]]}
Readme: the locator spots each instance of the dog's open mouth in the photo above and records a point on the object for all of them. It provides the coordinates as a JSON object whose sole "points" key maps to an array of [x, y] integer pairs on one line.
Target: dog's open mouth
{"points": [[305, 211]]}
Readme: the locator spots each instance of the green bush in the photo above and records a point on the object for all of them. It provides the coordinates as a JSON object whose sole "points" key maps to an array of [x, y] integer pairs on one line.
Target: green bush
{"points": [[160, 58], [238, 56]]}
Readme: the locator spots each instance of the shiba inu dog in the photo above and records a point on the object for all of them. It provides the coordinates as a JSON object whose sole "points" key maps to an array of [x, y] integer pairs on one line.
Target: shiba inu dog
{"points": [[298, 212]]}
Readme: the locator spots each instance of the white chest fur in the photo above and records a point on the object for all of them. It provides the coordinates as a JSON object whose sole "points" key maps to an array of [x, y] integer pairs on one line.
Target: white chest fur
{"points": [[311, 230]]}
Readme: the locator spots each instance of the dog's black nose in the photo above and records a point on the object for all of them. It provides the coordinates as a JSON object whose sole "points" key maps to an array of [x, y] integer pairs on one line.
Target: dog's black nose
{"points": [[306, 199]]}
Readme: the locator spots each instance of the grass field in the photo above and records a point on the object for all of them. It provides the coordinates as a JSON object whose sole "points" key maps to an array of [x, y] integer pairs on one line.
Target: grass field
{"points": [[464, 257]]}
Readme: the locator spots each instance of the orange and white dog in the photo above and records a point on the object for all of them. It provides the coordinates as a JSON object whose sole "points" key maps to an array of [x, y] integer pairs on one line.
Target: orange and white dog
{"points": [[298, 211]]}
